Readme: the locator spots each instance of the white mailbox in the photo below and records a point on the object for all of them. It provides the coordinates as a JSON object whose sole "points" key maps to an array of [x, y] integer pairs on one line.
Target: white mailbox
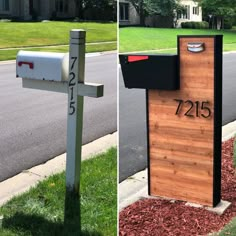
{"points": [[42, 65]]}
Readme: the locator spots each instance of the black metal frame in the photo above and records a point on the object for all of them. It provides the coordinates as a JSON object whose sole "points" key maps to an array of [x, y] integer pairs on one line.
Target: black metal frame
{"points": [[217, 115], [217, 119], [148, 142]]}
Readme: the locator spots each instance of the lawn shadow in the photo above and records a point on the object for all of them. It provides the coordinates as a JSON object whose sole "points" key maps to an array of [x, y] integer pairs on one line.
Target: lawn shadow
{"points": [[38, 226]]}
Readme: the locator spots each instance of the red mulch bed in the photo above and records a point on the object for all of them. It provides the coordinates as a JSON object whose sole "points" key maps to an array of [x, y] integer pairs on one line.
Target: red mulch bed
{"points": [[155, 217]]}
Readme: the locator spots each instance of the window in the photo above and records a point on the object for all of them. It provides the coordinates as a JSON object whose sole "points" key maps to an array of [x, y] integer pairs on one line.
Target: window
{"points": [[4, 5], [195, 10], [185, 14], [179, 15], [62, 6], [124, 11]]}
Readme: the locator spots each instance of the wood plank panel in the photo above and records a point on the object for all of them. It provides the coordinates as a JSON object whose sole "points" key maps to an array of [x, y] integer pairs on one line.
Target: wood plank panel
{"points": [[181, 148]]}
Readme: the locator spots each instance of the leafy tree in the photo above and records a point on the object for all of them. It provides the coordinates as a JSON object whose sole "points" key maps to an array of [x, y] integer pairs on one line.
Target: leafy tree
{"points": [[156, 7], [95, 9], [140, 7], [161, 7], [219, 9], [79, 8]]}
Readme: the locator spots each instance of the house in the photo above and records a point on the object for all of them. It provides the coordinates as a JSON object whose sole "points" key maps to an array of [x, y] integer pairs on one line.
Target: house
{"points": [[43, 9], [127, 13], [193, 12], [129, 16]]}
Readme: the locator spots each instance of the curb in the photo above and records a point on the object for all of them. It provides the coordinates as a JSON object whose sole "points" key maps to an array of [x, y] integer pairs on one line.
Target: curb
{"points": [[134, 187], [91, 54], [229, 52], [228, 131], [54, 46], [7, 62], [164, 49], [29, 178]]}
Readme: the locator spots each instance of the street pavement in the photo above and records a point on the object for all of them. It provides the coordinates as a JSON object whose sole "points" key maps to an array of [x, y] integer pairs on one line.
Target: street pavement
{"points": [[33, 122], [229, 88], [132, 119]]}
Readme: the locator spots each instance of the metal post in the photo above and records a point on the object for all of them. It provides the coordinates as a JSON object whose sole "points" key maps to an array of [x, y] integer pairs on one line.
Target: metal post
{"points": [[74, 125]]}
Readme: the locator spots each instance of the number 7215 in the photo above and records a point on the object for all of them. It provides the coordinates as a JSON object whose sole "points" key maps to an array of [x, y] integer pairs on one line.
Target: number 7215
{"points": [[194, 109]]}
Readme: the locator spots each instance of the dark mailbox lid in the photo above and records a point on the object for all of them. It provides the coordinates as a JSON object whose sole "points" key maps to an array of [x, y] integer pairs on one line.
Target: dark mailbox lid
{"points": [[150, 71]]}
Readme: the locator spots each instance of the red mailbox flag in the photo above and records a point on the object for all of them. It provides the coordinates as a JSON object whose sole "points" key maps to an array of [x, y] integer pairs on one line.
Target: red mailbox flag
{"points": [[137, 58]]}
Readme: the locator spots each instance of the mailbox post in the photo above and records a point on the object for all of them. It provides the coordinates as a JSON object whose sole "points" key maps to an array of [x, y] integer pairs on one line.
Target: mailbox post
{"points": [[184, 114], [59, 72], [74, 125]]}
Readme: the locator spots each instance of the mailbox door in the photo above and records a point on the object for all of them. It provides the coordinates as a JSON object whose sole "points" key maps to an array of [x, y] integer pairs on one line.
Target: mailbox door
{"points": [[150, 71], [42, 65]]}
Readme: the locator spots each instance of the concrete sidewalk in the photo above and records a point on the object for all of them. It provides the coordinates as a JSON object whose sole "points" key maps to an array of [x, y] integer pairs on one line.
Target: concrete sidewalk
{"points": [[135, 187], [89, 54], [29, 178]]}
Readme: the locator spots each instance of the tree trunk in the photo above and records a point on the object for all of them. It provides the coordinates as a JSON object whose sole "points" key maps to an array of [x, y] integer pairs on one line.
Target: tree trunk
{"points": [[79, 9], [142, 19], [141, 14], [218, 23]]}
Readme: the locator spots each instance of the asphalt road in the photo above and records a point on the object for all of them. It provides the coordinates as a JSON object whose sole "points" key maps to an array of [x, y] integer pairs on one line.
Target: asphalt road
{"points": [[33, 122], [132, 119]]}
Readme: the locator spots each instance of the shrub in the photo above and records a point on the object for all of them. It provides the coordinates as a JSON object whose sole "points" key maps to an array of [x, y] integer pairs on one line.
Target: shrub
{"points": [[34, 15], [205, 25], [228, 23], [53, 15], [195, 25], [187, 25], [234, 20]]}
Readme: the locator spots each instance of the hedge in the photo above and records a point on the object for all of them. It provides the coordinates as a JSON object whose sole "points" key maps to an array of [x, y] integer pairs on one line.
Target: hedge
{"points": [[195, 25]]}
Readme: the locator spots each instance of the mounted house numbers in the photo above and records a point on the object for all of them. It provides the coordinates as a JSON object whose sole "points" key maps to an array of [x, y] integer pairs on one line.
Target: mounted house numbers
{"points": [[193, 109]]}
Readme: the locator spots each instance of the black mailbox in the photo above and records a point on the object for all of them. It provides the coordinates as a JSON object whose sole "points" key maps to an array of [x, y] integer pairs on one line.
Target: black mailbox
{"points": [[150, 71]]}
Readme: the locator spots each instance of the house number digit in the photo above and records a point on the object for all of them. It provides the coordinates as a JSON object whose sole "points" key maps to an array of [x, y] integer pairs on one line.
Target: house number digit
{"points": [[72, 84], [190, 106], [201, 109], [207, 110]]}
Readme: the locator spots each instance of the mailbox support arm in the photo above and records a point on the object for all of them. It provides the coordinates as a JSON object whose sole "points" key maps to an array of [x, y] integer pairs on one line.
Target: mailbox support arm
{"points": [[52, 86], [90, 90], [84, 89]]}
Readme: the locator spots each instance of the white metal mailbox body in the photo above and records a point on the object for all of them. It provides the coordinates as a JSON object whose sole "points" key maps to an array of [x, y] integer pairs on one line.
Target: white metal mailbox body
{"points": [[42, 65]]}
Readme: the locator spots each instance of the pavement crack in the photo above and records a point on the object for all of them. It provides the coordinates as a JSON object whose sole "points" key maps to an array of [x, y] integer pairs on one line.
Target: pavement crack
{"points": [[29, 172]]}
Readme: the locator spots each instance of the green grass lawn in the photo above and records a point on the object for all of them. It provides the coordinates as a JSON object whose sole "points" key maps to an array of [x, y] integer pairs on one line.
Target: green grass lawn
{"points": [[40, 211], [52, 33], [229, 229], [144, 39], [16, 35]]}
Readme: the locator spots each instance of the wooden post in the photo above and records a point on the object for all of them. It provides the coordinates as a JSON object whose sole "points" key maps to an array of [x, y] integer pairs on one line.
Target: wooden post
{"points": [[184, 126], [74, 125]]}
